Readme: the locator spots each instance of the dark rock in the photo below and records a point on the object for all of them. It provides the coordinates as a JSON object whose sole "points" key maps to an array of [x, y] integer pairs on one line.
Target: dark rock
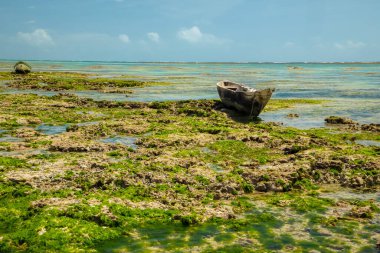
{"points": [[272, 186], [361, 212], [293, 150], [98, 166], [61, 147], [224, 188], [340, 120], [357, 182], [122, 183], [371, 127], [72, 128], [261, 187], [292, 115], [328, 164], [259, 139], [245, 242], [183, 180]]}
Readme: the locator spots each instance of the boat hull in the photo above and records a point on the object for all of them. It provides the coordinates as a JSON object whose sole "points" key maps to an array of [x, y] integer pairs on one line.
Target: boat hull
{"points": [[245, 100]]}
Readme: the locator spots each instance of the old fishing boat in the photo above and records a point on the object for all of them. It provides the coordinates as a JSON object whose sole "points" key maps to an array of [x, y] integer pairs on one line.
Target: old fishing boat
{"points": [[22, 67], [244, 99]]}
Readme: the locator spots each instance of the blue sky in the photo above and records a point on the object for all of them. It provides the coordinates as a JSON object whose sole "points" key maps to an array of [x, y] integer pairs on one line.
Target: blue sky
{"points": [[198, 30]]}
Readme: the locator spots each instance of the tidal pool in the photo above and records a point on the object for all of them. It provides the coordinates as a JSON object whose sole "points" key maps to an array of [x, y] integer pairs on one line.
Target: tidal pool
{"points": [[52, 130], [215, 167], [368, 143], [9, 138], [90, 123], [351, 195], [128, 141], [22, 153]]}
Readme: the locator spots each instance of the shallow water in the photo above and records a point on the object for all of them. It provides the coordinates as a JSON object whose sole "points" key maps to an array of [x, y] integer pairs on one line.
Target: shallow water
{"points": [[128, 141], [51, 130], [215, 167], [162, 238], [89, 123], [368, 143], [22, 153], [9, 138], [351, 195], [283, 232], [354, 89], [313, 115]]}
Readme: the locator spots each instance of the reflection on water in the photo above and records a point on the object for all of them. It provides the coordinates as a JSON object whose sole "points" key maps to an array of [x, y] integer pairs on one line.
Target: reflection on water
{"points": [[354, 88]]}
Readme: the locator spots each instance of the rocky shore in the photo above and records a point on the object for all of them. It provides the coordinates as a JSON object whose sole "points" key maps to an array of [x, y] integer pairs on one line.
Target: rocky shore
{"points": [[70, 81], [187, 163]]}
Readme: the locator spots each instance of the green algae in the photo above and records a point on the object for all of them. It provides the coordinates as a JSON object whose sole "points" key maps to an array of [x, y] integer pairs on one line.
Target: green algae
{"points": [[165, 195], [299, 202], [7, 163], [6, 76], [277, 104], [237, 151], [63, 81]]}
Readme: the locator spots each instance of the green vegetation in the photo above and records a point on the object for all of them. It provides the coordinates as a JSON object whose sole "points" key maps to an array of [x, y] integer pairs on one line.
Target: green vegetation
{"points": [[197, 179], [276, 104], [61, 81]]}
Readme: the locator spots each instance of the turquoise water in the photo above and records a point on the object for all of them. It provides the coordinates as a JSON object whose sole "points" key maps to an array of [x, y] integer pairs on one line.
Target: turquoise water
{"points": [[352, 89]]}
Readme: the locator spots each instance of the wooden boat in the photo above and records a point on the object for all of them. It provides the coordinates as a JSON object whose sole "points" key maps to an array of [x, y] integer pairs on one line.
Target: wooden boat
{"points": [[244, 99], [22, 67]]}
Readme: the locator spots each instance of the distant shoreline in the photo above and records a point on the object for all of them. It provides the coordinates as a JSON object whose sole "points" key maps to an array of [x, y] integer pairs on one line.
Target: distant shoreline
{"points": [[192, 62]]}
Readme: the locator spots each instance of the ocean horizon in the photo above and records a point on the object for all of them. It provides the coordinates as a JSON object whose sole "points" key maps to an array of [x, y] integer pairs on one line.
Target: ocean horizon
{"points": [[210, 62]]}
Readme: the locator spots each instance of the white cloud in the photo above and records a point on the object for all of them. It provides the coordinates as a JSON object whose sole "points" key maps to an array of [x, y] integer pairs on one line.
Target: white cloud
{"points": [[124, 38], [195, 35], [155, 37], [349, 44], [192, 34], [38, 37], [30, 22]]}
